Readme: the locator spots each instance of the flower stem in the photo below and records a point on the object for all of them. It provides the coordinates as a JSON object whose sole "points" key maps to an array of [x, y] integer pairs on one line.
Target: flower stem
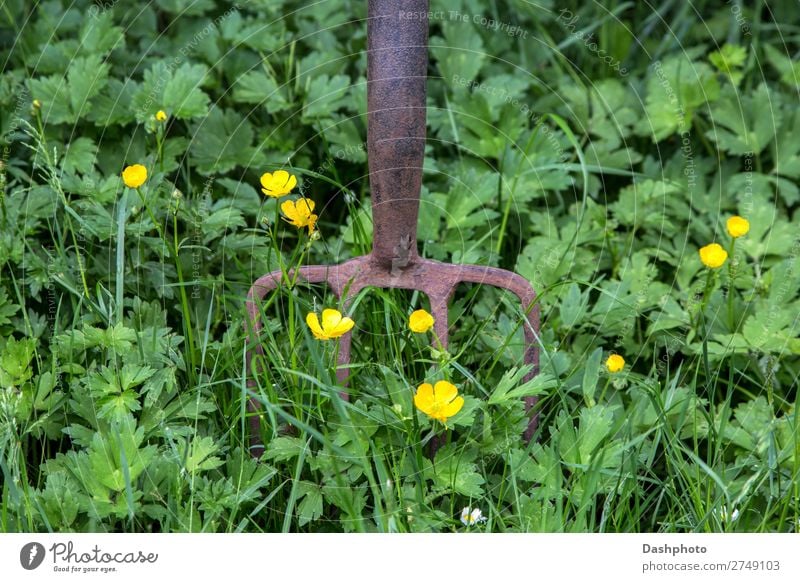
{"points": [[731, 277]]}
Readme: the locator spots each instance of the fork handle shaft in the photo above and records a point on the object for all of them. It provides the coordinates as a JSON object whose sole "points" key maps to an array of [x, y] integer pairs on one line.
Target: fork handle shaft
{"points": [[397, 60]]}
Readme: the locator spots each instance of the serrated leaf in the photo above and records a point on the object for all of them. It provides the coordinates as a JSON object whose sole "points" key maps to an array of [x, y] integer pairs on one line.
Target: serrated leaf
{"points": [[202, 455], [591, 373], [256, 87], [15, 361], [745, 124], [284, 448], [79, 156], [7, 309], [676, 88], [114, 104], [573, 306], [595, 426], [176, 91], [460, 54], [325, 96], [98, 34], [511, 386], [86, 77], [310, 508], [221, 142]]}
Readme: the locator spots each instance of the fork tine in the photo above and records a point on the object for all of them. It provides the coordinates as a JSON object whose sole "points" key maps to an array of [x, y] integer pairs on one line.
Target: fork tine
{"points": [[342, 361], [440, 323]]}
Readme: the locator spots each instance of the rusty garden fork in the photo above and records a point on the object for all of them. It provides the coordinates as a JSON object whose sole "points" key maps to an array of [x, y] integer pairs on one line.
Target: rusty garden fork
{"points": [[397, 60]]}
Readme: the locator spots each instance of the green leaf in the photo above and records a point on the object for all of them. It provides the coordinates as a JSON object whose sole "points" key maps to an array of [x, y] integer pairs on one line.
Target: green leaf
{"points": [[310, 508], [325, 96], [202, 455], [454, 469], [743, 124], [107, 451], [788, 69], [728, 60], [595, 426], [60, 499], [7, 309], [573, 306], [176, 91], [221, 142], [642, 204], [15, 361], [676, 88], [52, 93], [257, 87], [79, 156], [99, 35], [460, 54], [590, 375], [86, 77], [467, 203], [114, 105], [511, 386], [119, 338], [284, 448]]}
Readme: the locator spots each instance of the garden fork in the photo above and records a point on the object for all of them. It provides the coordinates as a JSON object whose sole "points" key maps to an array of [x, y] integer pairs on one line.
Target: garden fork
{"points": [[397, 60]]}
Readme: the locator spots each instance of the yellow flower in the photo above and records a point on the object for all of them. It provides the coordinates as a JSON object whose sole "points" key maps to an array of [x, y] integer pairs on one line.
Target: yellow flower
{"points": [[134, 176], [440, 402], [615, 363], [738, 226], [300, 213], [713, 256], [161, 115], [333, 324], [278, 184], [420, 321]]}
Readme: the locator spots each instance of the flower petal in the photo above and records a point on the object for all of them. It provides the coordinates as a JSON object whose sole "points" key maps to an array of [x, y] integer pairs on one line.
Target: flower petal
{"points": [[290, 211], [291, 183], [330, 319], [305, 206], [279, 179], [452, 409], [423, 399], [444, 391], [266, 180], [313, 323], [341, 328]]}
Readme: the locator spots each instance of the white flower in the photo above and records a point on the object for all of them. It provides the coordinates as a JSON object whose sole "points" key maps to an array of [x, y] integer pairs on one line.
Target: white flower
{"points": [[724, 516], [471, 516]]}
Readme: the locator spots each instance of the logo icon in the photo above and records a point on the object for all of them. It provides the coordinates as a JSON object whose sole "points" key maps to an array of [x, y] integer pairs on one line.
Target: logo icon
{"points": [[31, 555]]}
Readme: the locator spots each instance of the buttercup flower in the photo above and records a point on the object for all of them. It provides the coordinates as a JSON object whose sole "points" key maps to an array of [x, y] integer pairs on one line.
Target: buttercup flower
{"points": [[615, 363], [471, 516], [333, 324], [738, 226], [277, 184], [440, 402], [420, 321], [300, 213], [713, 256], [161, 115], [134, 176]]}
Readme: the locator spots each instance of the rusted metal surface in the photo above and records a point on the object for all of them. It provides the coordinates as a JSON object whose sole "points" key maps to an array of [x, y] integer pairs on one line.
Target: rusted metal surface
{"points": [[397, 33]]}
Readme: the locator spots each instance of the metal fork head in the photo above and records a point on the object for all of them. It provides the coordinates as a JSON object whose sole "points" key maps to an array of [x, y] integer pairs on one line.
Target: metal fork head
{"points": [[435, 279]]}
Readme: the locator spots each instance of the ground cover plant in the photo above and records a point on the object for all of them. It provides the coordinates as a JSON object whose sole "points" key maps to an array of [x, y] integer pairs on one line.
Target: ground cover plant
{"points": [[637, 163]]}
